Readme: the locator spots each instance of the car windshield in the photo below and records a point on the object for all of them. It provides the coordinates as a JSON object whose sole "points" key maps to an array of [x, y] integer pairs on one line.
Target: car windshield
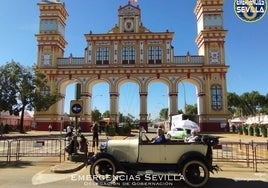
{"points": [[178, 129]]}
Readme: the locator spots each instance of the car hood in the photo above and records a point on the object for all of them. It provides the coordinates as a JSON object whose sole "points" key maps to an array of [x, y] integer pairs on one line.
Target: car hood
{"points": [[124, 150]]}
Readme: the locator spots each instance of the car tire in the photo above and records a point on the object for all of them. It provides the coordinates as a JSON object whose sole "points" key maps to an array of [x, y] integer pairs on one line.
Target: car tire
{"points": [[103, 170], [195, 173]]}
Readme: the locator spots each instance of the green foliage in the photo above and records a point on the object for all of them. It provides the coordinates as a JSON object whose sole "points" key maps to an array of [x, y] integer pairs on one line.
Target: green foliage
{"points": [[163, 114], [256, 130], [191, 109], [96, 115], [240, 129], [127, 129], [113, 129], [250, 130], [264, 130], [110, 130], [106, 114], [245, 129], [9, 88], [249, 103], [22, 88]]}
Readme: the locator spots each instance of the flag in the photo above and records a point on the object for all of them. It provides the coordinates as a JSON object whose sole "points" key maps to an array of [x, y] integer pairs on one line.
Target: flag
{"points": [[133, 1]]}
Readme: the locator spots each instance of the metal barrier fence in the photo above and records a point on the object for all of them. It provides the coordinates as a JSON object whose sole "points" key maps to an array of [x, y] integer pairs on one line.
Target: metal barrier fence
{"points": [[15, 149], [5, 149], [41, 147], [251, 154]]}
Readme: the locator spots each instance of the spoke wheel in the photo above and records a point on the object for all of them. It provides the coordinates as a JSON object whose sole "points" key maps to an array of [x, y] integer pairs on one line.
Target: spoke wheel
{"points": [[102, 170], [195, 173]]}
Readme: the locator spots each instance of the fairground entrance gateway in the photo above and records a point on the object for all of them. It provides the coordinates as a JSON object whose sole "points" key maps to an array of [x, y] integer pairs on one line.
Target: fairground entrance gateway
{"points": [[129, 52]]}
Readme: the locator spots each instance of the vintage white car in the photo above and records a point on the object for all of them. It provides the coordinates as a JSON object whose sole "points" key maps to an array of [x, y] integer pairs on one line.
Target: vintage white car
{"points": [[193, 161]]}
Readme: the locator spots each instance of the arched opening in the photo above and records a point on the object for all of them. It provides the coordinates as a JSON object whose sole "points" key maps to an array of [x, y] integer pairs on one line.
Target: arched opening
{"points": [[188, 101], [158, 104], [187, 96], [129, 102], [70, 94], [100, 97]]}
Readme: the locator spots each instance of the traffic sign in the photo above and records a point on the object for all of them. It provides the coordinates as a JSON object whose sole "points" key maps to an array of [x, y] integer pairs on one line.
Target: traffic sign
{"points": [[76, 107]]}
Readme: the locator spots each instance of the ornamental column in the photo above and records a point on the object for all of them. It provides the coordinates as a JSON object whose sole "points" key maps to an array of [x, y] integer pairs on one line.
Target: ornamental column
{"points": [[173, 106], [200, 103], [143, 110], [114, 107], [173, 103]]}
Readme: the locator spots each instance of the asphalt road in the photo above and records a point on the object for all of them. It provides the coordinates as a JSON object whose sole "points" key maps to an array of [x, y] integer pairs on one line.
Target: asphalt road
{"points": [[38, 175]]}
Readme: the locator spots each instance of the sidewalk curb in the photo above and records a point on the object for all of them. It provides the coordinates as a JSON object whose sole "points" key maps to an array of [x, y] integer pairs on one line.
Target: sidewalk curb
{"points": [[67, 168]]}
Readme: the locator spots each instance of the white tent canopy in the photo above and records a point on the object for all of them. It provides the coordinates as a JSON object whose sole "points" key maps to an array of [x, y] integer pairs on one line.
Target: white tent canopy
{"points": [[238, 120], [186, 124]]}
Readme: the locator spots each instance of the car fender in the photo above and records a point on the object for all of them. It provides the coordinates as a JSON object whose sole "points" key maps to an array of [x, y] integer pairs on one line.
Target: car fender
{"points": [[105, 155], [97, 156], [192, 155]]}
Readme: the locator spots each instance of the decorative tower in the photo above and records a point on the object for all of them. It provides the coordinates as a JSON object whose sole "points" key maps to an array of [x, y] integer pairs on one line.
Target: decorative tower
{"points": [[51, 45], [51, 37], [210, 41]]}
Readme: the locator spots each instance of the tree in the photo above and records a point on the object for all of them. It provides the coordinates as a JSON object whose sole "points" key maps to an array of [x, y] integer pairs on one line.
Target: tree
{"points": [[163, 114], [24, 88], [191, 109], [234, 103], [180, 111], [106, 114], [249, 103], [8, 91], [96, 115]]}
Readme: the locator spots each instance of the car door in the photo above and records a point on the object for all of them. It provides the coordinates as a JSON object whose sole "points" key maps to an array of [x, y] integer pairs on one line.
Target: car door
{"points": [[150, 153]]}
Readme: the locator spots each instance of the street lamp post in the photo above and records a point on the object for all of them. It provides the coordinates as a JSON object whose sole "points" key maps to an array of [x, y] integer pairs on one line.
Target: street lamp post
{"points": [[99, 95], [61, 121], [184, 94], [93, 97]]}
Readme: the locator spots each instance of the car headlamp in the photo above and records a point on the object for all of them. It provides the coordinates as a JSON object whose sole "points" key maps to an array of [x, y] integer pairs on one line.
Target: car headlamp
{"points": [[104, 146]]}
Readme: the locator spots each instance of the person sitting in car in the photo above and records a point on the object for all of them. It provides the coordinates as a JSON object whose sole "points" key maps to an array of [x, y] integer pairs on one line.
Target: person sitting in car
{"points": [[193, 138], [160, 138]]}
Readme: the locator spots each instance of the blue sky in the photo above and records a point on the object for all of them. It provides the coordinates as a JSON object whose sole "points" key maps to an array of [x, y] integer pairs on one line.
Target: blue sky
{"points": [[246, 44]]}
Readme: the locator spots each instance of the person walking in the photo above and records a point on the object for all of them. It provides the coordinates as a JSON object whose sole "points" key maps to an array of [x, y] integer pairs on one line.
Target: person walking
{"points": [[95, 138], [49, 127], [69, 131]]}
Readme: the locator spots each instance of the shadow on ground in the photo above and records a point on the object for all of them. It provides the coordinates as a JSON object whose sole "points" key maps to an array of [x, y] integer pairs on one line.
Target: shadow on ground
{"points": [[212, 183], [15, 164]]}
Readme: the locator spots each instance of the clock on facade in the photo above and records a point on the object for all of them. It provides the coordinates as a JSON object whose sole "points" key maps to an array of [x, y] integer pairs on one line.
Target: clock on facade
{"points": [[129, 25], [214, 57]]}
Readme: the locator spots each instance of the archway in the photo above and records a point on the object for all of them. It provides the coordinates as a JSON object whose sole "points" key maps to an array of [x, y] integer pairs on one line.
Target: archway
{"points": [[131, 52]]}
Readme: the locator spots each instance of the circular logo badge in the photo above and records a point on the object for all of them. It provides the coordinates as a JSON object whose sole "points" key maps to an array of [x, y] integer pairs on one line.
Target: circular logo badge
{"points": [[250, 10]]}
